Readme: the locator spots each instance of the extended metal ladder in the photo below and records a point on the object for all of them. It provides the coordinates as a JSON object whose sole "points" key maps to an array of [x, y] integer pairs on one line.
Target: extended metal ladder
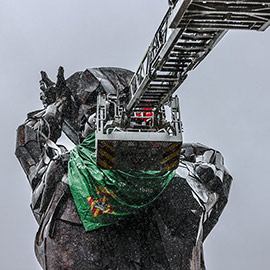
{"points": [[140, 137], [188, 32]]}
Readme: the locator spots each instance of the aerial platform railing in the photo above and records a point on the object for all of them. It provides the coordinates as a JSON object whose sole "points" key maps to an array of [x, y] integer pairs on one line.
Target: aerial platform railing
{"points": [[188, 32]]}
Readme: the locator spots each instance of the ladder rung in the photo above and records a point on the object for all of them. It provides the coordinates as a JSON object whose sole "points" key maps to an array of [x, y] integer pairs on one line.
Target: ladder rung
{"points": [[165, 80], [224, 26], [150, 90], [196, 37], [190, 44], [201, 31], [152, 97], [174, 65], [152, 100], [153, 84], [184, 56], [172, 69], [159, 88], [177, 59], [223, 18], [181, 49], [153, 92], [166, 76]]}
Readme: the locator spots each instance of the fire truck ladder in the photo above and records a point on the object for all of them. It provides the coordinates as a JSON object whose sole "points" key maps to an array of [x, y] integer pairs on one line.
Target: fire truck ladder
{"points": [[188, 32], [139, 137]]}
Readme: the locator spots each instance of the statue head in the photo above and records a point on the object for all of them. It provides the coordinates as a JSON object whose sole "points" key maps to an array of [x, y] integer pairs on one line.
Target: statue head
{"points": [[82, 89]]}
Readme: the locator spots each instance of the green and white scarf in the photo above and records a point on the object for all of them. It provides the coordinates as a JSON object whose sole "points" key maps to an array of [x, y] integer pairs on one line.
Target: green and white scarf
{"points": [[102, 197]]}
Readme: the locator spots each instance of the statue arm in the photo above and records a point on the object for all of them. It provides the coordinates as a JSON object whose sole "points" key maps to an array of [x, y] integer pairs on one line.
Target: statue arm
{"points": [[43, 128], [209, 169], [37, 133], [41, 158]]}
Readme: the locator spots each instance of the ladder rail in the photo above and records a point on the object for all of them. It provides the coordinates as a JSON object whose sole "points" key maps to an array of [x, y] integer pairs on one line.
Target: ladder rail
{"points": [[189, 31]]}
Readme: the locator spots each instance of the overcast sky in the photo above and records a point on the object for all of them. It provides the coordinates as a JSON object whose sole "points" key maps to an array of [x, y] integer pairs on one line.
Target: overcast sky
{"points": [[224, 104]]}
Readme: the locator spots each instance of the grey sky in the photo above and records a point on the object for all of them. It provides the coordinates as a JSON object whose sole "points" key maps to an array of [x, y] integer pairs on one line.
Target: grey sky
{"points": [[224, 104]]}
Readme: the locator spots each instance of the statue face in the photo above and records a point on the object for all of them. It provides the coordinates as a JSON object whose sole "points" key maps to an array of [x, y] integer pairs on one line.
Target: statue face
{"points": [[84, 87]]}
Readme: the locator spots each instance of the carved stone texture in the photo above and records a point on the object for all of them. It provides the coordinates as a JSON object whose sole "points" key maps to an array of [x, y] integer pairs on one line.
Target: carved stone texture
{"points": [[168, 234]]}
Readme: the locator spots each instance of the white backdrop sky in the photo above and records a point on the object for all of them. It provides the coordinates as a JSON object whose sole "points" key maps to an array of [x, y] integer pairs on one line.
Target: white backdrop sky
{"points": [[224, 104]]}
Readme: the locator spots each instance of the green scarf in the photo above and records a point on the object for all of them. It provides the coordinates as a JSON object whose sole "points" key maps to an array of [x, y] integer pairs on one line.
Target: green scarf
{"points": [[102, 197]]}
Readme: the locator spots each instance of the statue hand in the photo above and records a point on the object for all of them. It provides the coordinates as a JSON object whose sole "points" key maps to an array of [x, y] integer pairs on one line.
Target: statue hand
{"points": [[52, 91], [208, 164]]}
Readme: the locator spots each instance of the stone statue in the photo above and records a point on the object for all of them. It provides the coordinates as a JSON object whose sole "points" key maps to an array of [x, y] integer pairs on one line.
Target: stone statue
{"points": [[168, 234]]}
